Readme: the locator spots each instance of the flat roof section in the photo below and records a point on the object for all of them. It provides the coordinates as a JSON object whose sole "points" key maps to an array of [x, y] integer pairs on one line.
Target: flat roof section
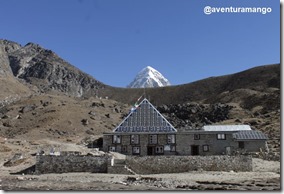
{"points": [[226, 127]]}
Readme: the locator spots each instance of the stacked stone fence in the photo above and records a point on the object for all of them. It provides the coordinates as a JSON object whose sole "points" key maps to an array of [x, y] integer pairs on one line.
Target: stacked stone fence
{"points": [[178, 164], [71, 163]]}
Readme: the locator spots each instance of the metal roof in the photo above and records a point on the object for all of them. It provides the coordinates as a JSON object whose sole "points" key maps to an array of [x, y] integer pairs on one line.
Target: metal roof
{"points": [[247, 135], [145, 118], [226, 127]]}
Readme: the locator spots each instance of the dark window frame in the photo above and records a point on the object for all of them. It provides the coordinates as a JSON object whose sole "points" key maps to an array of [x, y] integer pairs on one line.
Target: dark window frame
{"points": [[196, 136], [124, 149]]}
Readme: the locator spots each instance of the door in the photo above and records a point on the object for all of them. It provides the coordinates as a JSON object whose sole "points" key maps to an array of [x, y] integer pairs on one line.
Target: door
{"points": [[194, 150], [228, 150], [150, 150]]}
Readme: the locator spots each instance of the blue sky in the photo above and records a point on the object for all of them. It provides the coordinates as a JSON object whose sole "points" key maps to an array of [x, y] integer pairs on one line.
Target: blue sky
{"points": [[112, 40]]}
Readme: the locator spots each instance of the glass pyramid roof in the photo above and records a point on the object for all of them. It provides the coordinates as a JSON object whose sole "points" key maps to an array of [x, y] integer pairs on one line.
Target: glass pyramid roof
{"points": [[145, 118]]}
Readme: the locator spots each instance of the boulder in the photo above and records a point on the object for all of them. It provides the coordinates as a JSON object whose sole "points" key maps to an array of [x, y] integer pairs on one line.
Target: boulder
{"points": [[27, 108], [85, 121]]}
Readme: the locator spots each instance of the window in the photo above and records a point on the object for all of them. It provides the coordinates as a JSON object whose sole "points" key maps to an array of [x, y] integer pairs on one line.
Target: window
{"points": [[171, 139], [241, 144], [196, 136], [124, 149], [167, 147], [159, 150], [153, 139], [136, 150], [116, 139], [170, 148], [221, 136], [134, 139], [205, 148], [111, 148]]}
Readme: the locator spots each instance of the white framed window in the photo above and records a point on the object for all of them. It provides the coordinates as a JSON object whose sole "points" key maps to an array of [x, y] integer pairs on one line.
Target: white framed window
{"points": [[205, 148], [134, 139], [221, 136], [111, 148], [136, 150], [171, 139], [153, 139], [170, 148], [116, 139], [159, 149], [167, 147]]}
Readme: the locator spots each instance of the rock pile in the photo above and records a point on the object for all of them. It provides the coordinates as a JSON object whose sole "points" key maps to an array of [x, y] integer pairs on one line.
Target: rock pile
{"points": [[194, 115]]}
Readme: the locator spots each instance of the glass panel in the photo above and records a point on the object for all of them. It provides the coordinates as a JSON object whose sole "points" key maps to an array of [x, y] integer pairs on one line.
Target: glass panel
{"points": [[116, 139], [153, 139], [134, 139]]}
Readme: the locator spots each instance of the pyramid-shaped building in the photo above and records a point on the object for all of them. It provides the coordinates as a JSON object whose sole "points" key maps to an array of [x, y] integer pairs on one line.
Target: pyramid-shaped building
{"points": [[145, 118]]}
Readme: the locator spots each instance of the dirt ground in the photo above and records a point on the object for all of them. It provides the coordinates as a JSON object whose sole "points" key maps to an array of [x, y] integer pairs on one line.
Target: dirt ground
{"points": [[265, 176]]}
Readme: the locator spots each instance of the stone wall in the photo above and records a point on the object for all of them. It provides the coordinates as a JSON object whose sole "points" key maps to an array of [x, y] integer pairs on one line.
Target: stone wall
{"points": [[71, 163], [178, 164], [255, 146]]}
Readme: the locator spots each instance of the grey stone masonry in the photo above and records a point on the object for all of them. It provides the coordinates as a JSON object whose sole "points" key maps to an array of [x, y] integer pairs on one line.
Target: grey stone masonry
{"points": [[71, 163], [178, 164]]}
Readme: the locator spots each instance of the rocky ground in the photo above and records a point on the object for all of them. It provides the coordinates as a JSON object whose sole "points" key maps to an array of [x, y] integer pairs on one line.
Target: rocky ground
{"points": [[59, 117]]}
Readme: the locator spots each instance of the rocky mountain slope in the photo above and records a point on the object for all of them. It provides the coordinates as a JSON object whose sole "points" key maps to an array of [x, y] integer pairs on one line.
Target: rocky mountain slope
{"points": [[47, 71], [11, 88], [149, 78]]}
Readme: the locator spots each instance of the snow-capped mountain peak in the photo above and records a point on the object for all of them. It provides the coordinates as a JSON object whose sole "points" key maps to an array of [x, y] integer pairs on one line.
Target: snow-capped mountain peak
{"points": [[149, 78]]}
